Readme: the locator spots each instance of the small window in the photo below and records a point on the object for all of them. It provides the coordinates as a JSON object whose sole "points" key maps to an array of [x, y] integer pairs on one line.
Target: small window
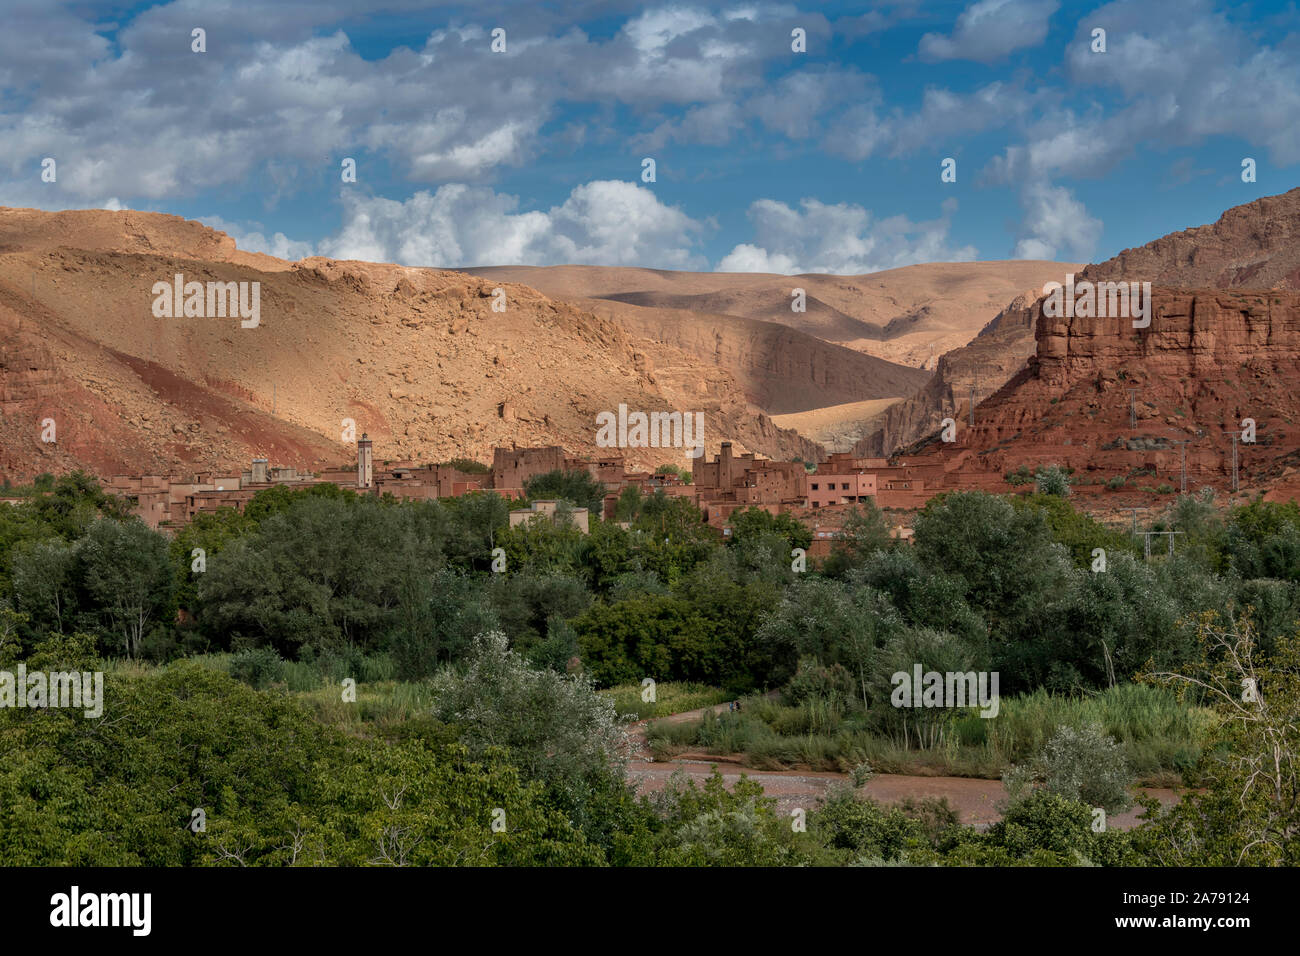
{"points": [[814, 486]]}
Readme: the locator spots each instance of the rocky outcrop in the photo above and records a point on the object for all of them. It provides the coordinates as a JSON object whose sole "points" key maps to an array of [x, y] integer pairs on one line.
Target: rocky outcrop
{"points": [[1209, 359], [1252, 246], [999, 351]]}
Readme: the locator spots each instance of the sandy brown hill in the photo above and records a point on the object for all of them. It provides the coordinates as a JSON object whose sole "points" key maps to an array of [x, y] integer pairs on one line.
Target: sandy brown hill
{"points": [[416, 357], [1252, 246], [909, 315], [782, 369], [1210, 359], [795, 364]]}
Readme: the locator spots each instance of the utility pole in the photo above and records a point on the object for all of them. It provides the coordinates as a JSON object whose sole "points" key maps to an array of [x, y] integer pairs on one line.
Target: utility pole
{"points": [[1135, 518], [1234, 461], [1184, 444], [1170, 536]]}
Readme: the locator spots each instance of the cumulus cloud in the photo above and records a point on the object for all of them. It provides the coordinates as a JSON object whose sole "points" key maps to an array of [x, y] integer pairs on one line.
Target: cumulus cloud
{"points": [[605, 222], [1056, 224], [843, 238], [1188, 72], [990, 29], [252, 239], [943, 115], [290, 92]]}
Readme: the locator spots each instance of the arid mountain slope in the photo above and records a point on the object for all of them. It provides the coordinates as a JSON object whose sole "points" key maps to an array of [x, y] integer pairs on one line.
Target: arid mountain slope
{"points": [[1210, 359], [909, 315], [783, 370], [994, 356], [417, 357], [1252, 246]]}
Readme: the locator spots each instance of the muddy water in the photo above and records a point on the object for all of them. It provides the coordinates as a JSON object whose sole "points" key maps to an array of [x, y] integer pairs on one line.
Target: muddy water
{"points": [[974, 800]]}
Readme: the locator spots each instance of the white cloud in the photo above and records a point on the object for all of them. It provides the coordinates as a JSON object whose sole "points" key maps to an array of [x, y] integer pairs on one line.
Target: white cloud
{"points": [[990, 29], [254, 240], [605, 222], [655, 29], [843, 239], [1056, 225], [943, 116], [142, 117], [1190, 73]]}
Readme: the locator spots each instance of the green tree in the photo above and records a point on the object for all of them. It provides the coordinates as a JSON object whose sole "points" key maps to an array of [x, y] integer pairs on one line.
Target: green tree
{"points": [[754, 522], [863, 533], [556, 728], [578, 487], [649, 635], [44, 582], [128, 575], [824, 620]]}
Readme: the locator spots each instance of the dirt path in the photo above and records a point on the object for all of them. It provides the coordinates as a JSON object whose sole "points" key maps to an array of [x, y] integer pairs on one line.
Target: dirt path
{"points": [[637, 735], [975, 800]]}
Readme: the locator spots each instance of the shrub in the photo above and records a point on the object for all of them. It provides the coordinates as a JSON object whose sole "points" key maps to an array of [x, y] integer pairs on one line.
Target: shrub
{"points": [[1088, 766], [1052, 481], [257, 667], [1020, 476], [1045, 823], [556, 727]]}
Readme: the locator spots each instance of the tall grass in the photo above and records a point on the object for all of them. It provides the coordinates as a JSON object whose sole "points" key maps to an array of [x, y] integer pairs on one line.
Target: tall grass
{"points": [[670, 698], [383, 705], [1162, 738]]}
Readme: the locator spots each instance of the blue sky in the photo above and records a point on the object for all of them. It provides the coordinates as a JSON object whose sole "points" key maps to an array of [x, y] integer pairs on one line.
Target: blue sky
{"points": [[766, 159]]}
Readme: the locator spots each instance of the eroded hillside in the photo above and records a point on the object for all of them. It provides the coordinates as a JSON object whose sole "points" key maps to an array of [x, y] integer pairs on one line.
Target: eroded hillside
{"points": [[418, 358]]}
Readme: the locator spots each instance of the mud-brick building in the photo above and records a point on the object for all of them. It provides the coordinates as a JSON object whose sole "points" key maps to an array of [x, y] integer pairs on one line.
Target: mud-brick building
{"points": [[649, 484], [513, 467], [160, 500], [732, 482], [843, 479], [550, 511]]}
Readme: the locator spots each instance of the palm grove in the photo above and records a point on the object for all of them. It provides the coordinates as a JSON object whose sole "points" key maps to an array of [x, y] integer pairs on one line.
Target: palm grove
{"points": [[488, 722]]}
